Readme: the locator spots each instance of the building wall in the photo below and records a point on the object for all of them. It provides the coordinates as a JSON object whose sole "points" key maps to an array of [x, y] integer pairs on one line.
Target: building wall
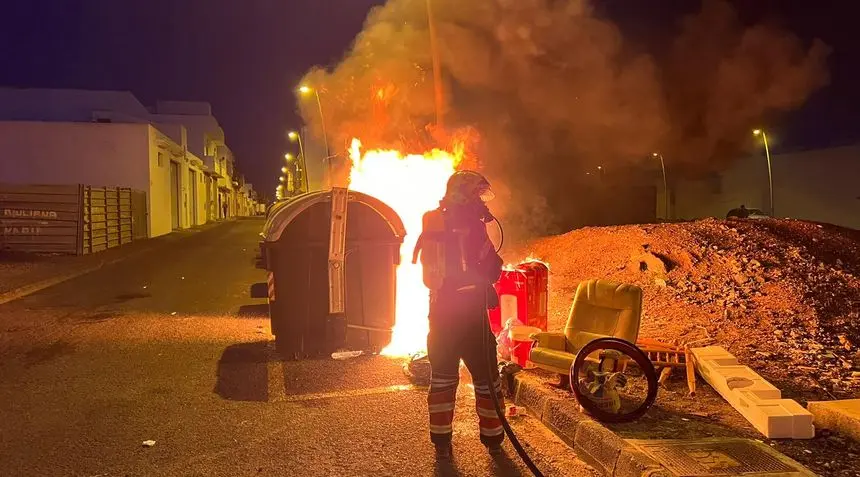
{"points": [[199, 213], [74, 153], [818, 185], [75, 136], [161, 150]]}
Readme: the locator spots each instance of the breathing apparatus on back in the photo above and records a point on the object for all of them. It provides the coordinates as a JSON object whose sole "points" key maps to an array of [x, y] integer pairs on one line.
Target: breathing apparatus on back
{"points": [[442, 244]]}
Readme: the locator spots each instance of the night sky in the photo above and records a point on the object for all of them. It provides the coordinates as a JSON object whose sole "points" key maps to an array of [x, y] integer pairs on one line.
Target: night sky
{"points": [[245, 57]]}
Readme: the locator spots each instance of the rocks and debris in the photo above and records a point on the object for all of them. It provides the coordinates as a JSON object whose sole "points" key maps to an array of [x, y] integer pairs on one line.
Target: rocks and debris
{"points": [[149, 443], [781, 295]]}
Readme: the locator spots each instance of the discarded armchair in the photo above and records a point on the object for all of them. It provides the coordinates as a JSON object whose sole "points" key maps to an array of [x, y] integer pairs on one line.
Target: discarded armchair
{"points": [[601, 309]]}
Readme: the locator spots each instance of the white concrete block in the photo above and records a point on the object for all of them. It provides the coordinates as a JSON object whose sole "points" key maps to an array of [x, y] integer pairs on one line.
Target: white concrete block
{"points": [[841, 416], [756, 399]]}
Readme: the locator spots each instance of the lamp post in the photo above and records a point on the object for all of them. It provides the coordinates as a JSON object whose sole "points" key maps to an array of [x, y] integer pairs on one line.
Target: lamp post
{"points": [[304, 89], [298, 175], [760, 132], [307, 90], [665, 183], [437, 69], [296, 137]]}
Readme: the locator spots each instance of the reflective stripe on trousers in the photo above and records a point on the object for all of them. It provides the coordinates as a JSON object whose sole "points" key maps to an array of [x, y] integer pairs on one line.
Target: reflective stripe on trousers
{"points": [[441, 401], [488, 419]]}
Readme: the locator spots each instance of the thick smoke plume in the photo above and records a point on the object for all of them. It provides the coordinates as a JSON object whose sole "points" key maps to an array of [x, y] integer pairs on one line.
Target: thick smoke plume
{"points": [[552, 90]]}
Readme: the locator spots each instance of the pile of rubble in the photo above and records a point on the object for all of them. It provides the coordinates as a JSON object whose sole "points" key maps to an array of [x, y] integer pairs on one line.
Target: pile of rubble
{"points": [[781, 295]]}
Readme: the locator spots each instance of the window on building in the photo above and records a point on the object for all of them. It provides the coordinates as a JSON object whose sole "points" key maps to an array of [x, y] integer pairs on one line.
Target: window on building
{"points": [[160, 159]]}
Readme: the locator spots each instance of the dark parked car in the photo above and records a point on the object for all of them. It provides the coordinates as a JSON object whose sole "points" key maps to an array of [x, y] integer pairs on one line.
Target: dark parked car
{"points": [[743, 213]]}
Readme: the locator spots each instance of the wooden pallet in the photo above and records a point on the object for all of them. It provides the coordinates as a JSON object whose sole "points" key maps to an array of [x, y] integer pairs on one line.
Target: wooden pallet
{"points": [[667, 357]]}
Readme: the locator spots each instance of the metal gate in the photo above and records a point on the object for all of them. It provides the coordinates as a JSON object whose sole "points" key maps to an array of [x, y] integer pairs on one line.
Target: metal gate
{"points": [[40, 218], [70, 219], [107, 218]]}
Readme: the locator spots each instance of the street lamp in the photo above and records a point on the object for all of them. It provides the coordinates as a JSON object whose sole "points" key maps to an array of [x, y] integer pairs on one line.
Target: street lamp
{"points": [[296, 137], [760, 132], [289, 157], [665, 184], [305, 90], [284, 169]]}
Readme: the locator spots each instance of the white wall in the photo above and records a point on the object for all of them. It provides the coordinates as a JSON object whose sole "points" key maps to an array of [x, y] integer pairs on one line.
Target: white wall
{"points": [[200, 213], [160, 221], [97, 154]]}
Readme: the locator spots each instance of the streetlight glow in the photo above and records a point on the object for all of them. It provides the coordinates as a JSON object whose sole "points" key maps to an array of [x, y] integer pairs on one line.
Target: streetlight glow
{"points": [[305, 89], [283, 179], [293, 136], [284, 169], [756, 132]]}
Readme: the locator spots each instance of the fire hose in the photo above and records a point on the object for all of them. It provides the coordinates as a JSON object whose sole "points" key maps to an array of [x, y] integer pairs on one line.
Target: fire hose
{"points": [[491, 370], [486, 332]]}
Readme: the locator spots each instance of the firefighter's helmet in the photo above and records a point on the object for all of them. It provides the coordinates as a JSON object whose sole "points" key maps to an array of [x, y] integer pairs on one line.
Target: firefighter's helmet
{"points": [[466, 187]]}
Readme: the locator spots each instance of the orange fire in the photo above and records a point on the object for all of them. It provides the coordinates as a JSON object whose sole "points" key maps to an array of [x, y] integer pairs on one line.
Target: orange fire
{"points": [[411, 185]]}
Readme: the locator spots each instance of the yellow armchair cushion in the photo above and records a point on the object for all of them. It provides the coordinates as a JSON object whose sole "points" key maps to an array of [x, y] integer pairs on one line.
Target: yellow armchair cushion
{"points": [[551, 340], [552, 360]]}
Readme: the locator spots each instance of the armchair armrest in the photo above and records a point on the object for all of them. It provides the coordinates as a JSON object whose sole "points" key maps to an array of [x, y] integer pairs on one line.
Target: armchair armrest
{"points": [[551, 340]]}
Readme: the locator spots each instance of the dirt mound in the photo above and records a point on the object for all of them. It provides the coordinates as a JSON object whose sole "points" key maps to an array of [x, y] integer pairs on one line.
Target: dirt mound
{"points": [[782, 295]]}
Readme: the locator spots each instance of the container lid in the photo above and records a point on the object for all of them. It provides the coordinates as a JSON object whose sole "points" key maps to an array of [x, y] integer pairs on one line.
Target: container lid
{"points": [[280, 217]]}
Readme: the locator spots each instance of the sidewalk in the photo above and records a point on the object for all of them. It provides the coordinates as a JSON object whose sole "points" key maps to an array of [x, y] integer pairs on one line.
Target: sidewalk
{"points": [[25, 274], [670, 449]]}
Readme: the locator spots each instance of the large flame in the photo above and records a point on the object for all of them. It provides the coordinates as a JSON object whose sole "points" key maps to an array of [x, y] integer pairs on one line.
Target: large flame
{"points": [[411, 185]]}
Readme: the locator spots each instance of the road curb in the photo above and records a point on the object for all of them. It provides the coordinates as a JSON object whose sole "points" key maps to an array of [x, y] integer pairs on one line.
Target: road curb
{"points": [[598, 446], [150, 244], [31, 288]]}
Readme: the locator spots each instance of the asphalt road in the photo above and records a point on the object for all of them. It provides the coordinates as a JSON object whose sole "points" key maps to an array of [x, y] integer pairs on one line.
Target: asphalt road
{"points": [[162, 347]]}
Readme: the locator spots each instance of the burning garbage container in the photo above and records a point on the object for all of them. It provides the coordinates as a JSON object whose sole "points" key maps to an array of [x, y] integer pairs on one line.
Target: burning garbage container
{"points": [[331, 258]]}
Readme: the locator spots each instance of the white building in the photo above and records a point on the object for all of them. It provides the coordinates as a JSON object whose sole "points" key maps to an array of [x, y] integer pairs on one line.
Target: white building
{"points": [[176, 153], [206, 141]]}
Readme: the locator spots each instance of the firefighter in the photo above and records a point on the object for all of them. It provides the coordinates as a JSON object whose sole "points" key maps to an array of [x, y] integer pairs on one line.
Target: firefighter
{"points": [[460, 266]]}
